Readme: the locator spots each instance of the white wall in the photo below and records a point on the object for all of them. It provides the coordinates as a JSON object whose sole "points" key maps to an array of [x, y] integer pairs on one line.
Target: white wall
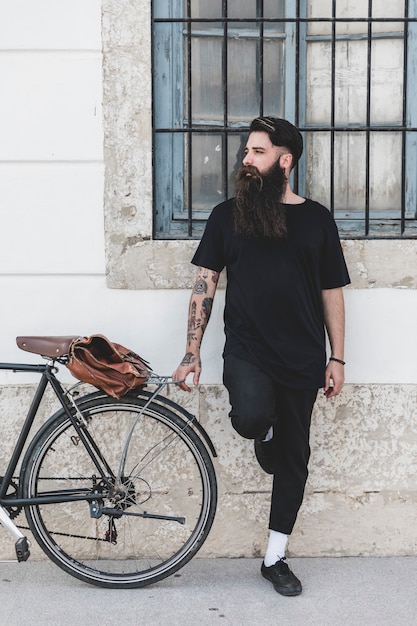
{"points": [[52, 267], [51, 163], [51, 155]]}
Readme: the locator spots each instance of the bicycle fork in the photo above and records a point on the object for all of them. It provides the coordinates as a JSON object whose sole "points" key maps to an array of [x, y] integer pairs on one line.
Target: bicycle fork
{"points": [[21, 542]]}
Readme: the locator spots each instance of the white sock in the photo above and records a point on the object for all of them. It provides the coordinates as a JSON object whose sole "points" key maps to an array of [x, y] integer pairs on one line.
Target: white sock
{"points": [[269, 434], [277, 545]]}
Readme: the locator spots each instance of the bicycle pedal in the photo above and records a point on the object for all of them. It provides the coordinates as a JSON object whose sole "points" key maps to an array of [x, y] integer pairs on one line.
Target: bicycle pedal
{"points": [[22, 549]]}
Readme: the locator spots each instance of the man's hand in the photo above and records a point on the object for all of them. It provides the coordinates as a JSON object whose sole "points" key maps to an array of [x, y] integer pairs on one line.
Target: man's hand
{"points": [[334, 319], [190, 363], [334, 379]]}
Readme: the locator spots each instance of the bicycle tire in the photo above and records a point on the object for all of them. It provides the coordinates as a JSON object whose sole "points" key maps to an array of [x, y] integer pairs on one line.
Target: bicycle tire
{"points": [[168, 472]]}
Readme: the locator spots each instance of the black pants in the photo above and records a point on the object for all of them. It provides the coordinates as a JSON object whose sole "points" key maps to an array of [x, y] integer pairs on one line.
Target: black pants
{"points": [[258, 403]]}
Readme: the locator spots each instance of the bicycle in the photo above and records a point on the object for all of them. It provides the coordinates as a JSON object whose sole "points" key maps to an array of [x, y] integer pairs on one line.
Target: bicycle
{"points": [[118, 493]]}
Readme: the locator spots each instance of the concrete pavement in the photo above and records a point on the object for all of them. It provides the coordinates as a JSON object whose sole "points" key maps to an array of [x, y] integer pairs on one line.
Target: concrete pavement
{"points": [[227, 592]]}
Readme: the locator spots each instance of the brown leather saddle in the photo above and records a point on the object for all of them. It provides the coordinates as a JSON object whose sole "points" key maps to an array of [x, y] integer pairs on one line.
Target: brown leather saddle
{"points": [[51, 347]]}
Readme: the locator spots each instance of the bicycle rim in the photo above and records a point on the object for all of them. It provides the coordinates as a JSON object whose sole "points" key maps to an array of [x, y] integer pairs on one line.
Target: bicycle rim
{"points": [[165, 503]]}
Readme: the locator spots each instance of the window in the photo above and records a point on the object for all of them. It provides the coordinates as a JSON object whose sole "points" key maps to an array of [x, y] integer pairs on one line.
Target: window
{"points": [[344, 75]]}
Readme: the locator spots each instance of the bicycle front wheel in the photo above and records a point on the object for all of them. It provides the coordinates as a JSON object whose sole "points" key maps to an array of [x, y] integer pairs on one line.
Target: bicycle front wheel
{"points": [[142, 527]]}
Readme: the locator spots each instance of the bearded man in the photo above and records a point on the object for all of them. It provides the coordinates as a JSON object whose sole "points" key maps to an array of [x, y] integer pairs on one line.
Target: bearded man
{"points": [[285, 273]]}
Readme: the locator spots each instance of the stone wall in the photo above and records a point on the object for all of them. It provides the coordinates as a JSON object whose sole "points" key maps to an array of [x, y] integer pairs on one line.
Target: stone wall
{"points": [[361, 495]]}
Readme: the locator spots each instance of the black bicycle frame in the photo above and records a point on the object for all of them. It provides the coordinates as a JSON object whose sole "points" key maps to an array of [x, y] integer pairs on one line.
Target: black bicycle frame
{"points": [[47, 377]]}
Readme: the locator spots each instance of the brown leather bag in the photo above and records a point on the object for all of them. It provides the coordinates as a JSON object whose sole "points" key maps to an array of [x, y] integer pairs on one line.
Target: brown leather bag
{"points": [[114, 369]]}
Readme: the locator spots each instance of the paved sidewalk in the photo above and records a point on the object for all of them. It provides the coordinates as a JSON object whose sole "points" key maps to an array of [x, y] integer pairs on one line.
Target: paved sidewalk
{"points": [[225, 592]]}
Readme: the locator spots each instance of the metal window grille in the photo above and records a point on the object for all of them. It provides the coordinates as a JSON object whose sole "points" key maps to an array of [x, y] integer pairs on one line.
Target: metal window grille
{"points": [[360, 155]]}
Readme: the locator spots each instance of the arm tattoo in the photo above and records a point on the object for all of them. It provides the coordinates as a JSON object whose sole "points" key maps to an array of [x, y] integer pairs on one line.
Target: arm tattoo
{"points": [[206, 307], [193, 324], [200, 286], [191, 336], [188, 359], [193, 310], [203, 276]]}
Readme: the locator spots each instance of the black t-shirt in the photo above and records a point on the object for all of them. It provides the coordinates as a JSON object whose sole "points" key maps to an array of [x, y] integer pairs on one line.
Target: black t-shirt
{"points": [[274, 313]]}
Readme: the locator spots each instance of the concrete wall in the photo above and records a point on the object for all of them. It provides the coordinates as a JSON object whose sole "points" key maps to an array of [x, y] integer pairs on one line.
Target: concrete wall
{"points": [[76, 256]]}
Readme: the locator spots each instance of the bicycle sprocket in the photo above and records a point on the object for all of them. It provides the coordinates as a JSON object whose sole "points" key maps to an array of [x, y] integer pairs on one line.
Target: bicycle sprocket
{"points": [[13, 511]]}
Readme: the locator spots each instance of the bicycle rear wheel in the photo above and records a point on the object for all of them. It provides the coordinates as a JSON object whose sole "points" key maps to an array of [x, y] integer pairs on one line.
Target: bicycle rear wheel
{"points": [[153, 521]]}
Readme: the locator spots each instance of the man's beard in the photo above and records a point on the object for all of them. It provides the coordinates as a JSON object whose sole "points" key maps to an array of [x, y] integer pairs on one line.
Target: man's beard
{"points": [[259, 211]]}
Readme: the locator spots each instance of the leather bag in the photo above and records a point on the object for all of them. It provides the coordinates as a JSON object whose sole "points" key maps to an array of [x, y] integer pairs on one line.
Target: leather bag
{"points": [[109, 366]]}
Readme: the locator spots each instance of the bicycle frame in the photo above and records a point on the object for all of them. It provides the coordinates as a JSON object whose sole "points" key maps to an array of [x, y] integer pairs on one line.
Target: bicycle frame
{"points": [[47, 377]]}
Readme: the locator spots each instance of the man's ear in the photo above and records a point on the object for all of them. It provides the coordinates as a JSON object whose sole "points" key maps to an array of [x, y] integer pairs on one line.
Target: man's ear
{"points": [[286, 161]]}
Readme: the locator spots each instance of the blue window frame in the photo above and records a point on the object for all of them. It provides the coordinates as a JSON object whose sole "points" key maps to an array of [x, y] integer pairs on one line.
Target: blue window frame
{"points": [[347, 80]]}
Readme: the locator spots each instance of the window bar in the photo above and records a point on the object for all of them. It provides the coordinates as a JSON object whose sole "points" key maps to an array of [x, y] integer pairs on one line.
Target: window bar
{"points": [[333, 106], [260, 14], [225, 12], [297, 87], [189, 124], [404, 122], [368, 118], [301, 93]]}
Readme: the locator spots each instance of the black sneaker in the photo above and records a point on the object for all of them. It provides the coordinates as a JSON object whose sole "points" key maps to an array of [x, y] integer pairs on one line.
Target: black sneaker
{"points": [[284, 581], [264, 452]]}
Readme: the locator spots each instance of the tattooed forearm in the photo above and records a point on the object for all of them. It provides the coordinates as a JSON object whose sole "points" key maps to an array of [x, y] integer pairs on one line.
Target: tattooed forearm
{"points": [[201, 303]]}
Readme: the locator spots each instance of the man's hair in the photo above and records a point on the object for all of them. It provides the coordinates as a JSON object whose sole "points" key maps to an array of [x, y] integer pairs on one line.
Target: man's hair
{"points": [[281, 133]]}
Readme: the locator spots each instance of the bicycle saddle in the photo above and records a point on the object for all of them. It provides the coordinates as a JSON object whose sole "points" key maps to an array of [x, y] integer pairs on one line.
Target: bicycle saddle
{"points": [[51, 347]]}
